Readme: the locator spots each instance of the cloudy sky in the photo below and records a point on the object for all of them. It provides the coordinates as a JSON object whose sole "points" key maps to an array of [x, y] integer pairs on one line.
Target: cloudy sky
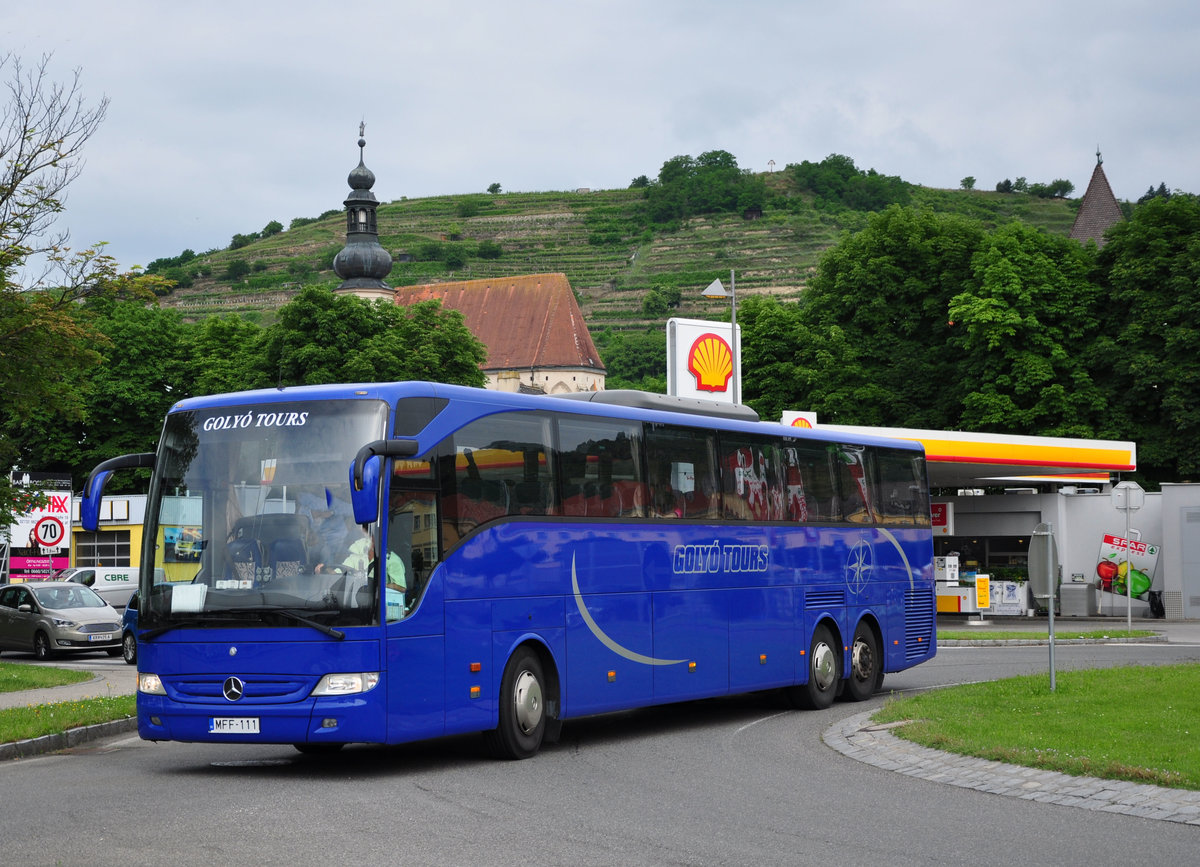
{"points": [[225, 116]]}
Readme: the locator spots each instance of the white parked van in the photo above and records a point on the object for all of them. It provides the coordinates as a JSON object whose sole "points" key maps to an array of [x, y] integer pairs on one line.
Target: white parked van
{"points": [[114, 584]]}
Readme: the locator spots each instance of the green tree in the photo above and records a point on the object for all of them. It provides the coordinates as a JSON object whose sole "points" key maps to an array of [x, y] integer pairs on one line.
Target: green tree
{"points": [[968, 183], [837, 182], [272, 228], [141, 373], [1150, 343], [320, 337], [1024, 328], [634, 359], [236, 270], [46, 340], [224, 353], [494, 189], [873, 325], [771, 332]]}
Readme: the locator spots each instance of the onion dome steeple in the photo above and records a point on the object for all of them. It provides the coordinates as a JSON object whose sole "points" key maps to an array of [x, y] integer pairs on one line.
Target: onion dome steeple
{"points": [[363, 263]]}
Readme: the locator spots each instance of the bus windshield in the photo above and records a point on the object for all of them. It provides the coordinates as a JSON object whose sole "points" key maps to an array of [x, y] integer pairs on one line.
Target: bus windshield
{"points": [[250, 518]]}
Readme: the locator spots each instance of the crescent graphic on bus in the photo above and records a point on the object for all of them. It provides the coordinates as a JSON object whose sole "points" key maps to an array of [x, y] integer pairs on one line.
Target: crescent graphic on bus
{"points": [[604, 639], [903, 556]]}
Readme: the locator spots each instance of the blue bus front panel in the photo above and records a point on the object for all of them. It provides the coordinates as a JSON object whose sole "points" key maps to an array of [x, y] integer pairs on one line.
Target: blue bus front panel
{"points": [[221, 686]]}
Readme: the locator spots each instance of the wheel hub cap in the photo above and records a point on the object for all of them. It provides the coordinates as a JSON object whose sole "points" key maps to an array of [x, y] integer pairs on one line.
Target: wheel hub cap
{"points": [[528, 700]]}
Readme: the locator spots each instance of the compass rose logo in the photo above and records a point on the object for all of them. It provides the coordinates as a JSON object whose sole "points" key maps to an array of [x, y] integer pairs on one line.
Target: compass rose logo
{"points": [[859, 563]]}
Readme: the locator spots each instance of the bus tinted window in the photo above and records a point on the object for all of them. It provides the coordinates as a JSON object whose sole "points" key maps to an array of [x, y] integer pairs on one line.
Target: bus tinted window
{"points": [[809, 492], [854, 483], [497, 466], [600, 464], [900, 487], [752, 483], [682, 473]]}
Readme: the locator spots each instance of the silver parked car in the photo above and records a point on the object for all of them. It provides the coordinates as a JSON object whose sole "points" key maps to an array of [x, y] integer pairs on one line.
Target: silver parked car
{"points": [[50, 617]]}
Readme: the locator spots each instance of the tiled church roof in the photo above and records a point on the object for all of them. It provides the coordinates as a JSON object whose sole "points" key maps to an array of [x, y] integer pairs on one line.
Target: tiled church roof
{"points": [[1098, 210], [525, 322]]}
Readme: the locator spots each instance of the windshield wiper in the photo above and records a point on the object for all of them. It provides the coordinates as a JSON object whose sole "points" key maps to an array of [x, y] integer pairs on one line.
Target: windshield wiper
{"points": [[286, 613], [320, 627], [151, 634]]}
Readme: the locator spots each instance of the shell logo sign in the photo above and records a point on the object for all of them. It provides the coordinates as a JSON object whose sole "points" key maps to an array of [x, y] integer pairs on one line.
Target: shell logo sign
{"points": [[710, 361], [701, 362], [801, 421]]}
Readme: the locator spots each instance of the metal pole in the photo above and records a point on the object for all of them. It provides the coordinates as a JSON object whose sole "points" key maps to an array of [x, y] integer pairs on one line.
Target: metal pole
{"points": [[1128, 578], [1052, 570], [737, 355]]}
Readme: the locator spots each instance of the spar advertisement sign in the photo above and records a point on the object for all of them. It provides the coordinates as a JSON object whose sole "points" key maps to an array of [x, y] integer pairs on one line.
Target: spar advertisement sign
{"points": [[1126, 563], [40, 540]]}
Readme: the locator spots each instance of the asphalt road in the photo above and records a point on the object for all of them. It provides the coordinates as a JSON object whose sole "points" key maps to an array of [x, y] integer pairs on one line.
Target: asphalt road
{"points": [[737, 781]]}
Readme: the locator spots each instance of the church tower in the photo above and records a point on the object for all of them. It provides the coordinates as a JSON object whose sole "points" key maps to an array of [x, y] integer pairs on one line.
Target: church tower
{"points": [[363, 263], [1098, 210]]}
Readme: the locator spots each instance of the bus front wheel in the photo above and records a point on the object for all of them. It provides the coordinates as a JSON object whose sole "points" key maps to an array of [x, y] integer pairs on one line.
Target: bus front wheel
{"points": [[864, 664], [522, 709]]}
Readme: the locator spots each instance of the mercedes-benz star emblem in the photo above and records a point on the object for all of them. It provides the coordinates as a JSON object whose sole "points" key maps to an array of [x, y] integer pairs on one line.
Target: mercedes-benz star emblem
{"points": [[233, 688]]}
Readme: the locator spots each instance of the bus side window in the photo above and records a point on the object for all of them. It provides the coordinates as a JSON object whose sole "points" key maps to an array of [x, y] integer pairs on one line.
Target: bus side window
{"points": [[682, 472], [600, 468], [900, 486], [809, 487], [752, 486], [854, 483], [501, 466]]}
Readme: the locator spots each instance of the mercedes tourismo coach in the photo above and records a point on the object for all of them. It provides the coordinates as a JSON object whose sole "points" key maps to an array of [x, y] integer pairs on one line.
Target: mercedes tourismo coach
{"points": [[391, 562]]}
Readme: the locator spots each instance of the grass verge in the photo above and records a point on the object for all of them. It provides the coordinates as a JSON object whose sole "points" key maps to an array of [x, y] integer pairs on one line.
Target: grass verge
{"points": [[34, 721], [15, 677], [1006, 635], [1131, 723]]}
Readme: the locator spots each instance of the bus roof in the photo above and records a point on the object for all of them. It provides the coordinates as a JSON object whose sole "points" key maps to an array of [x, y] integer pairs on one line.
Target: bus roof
{"points": [[478, 402]]}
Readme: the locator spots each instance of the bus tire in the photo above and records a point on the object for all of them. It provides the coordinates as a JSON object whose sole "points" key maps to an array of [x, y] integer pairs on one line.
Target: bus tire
{"points": [[824, 672], [522, 709], [865, 664]]}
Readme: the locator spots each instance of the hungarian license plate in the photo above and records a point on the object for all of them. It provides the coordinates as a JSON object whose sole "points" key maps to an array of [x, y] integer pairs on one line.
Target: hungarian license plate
{"points": [[233, 725], [100, 636]]}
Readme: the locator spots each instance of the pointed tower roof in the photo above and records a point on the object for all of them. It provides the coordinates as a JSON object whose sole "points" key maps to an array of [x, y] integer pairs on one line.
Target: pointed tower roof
{"points": [[363, 263], [1099, 209]]}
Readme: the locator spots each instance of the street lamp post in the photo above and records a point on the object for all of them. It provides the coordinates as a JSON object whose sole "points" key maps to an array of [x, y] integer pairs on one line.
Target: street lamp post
{"points": [[716, 290]]}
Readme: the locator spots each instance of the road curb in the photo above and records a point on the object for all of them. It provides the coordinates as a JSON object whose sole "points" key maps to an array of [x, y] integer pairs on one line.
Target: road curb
{"points": [[1035, 642], [860, 738], [65, 740]]}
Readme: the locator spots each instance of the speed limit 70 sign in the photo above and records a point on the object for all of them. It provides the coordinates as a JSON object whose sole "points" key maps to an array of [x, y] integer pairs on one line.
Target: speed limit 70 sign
{"points": [[49, 532]]}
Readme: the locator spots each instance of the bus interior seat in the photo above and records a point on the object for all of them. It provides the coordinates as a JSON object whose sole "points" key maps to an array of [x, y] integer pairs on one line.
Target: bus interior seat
{"points": [[287, 557], [268, 540], [531, 498]]}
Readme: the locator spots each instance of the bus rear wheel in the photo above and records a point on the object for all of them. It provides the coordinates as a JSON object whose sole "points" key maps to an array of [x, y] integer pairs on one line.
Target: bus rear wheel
{"points": [[824, 672], [865, 664], [522, 709]]}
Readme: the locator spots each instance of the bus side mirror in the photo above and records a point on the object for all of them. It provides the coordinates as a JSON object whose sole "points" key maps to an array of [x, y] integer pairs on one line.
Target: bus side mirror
{"points": [[364, 476], [93, 491]]}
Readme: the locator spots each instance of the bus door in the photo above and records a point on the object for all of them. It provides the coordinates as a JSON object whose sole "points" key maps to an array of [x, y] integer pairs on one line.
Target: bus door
{"points": [[414, 655]]}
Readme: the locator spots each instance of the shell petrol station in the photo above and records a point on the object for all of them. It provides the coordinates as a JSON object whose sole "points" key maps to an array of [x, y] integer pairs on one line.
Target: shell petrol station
{"points": [[992, 491]]}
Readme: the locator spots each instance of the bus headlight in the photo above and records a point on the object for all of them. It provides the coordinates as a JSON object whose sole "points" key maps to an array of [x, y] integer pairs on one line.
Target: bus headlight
{"points": [[150, 684], [346, 684]]}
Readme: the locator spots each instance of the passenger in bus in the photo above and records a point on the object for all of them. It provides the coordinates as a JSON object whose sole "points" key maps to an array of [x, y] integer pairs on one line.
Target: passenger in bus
{"points": [[361, 557], [330, 519]]}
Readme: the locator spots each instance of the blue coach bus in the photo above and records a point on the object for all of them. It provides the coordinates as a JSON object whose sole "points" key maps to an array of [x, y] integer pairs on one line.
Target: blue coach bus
{"points": [[393, 562]]}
